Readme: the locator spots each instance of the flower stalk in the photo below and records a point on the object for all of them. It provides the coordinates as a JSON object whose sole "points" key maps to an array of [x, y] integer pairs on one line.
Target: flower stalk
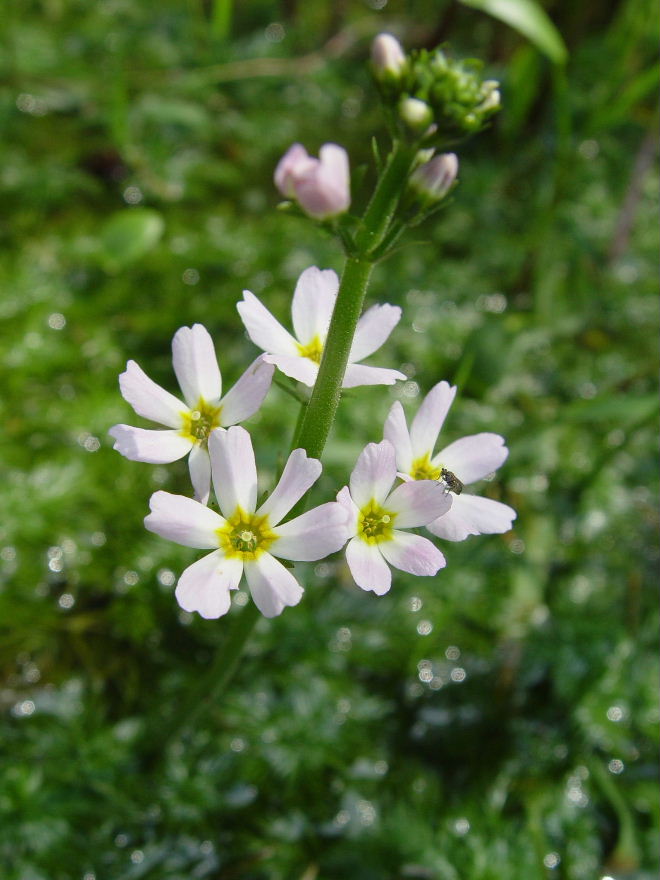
{"points": [[322, 407]]}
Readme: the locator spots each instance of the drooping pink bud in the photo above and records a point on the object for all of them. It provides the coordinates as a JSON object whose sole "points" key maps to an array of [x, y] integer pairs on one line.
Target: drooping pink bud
{"points": [[320, 186], [435, 178], [387, 56]]}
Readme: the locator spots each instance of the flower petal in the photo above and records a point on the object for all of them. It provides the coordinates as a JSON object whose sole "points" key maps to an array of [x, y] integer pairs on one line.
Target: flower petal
{"points": [[430, 416], [196, 365], [359, 374], [292, 163], [474, 457], [301, 368], [150, 400], [418, 502], [396, 431], [300, 472], [373, 474], [263, 329], [412, 553], [335, 168], [233, 469], [154, 447], [344, 498], [473, 515], [199, 465], [204, 586], [247, 395], [272, 586], [322, 187], [369, 569], [183, 520], [314, 534], [313, 302], [373, 329]]}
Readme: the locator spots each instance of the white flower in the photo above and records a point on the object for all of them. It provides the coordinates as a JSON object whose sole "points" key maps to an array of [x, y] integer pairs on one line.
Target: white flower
{"points": [[311, 310], [322, 187], [463, 462], [377, 516], [242, 538], [189, 423]]}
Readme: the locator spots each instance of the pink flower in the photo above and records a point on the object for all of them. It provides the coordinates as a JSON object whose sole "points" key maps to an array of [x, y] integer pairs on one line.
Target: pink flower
{"points": [[379, 517], [244, 538], [463, 462], [320, 186]]}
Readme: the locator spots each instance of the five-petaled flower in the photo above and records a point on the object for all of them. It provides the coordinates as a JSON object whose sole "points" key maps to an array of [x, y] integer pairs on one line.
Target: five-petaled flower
{"points": [[311, 309], [462, 462], [189, 423], [377, 516], [242, 537]]}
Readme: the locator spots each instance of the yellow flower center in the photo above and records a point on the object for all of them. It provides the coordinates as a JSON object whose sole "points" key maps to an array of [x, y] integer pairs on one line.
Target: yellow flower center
{"points": [[422, 469], [200, 421], [245, 536], [375, 524], [313, 350]]}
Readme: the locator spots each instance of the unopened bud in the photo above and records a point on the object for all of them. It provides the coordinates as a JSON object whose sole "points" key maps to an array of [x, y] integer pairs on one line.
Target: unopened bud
{"points": [[415, 113], [322, 186], [387, 57], [434, 179], [492, 102]]}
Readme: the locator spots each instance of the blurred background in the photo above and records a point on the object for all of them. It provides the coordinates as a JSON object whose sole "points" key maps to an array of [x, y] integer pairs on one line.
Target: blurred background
{"points": [[497, 721]]}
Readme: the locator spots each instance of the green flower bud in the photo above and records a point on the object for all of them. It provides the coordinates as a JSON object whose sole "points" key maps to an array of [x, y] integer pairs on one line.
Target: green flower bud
{"points": [[416, 114]]}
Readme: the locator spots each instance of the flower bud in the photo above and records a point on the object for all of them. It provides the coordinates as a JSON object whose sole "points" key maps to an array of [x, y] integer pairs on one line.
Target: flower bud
{"points": [[492, 98], [320, 186], [387, 57], [434, 179], [293, 163], [415, 113]]}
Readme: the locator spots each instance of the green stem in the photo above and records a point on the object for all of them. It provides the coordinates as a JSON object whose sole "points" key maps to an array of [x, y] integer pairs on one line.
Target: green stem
{"points": [[323, 403], [313, 429]]}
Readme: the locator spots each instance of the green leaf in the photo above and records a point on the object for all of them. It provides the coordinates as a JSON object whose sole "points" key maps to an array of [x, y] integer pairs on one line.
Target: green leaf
{"points": [[129, 235], [529, 19]]}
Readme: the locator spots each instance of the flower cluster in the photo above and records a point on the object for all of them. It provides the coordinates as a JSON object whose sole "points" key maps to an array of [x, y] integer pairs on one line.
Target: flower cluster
{"points": [[398, 484], [371, 515], [430, 93]]}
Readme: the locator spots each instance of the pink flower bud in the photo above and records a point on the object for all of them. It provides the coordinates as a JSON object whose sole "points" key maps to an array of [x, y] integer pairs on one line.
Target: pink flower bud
{"points": [[293, 162], [320, 186], [387, 56], [434, 179]]}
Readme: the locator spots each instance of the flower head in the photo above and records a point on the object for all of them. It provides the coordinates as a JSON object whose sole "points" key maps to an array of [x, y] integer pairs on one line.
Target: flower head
{"points": [[322, 186], [311, 310], [242, 537], [378, 515], [461, 463], [189, 423]]}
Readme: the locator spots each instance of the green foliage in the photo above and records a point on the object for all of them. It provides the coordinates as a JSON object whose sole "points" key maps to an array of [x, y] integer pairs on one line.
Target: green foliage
{"points": [[531, 20], [497, 721]]}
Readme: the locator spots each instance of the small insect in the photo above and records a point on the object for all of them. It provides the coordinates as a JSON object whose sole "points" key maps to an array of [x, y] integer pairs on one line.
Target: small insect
{"points": [[451, 481]]}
